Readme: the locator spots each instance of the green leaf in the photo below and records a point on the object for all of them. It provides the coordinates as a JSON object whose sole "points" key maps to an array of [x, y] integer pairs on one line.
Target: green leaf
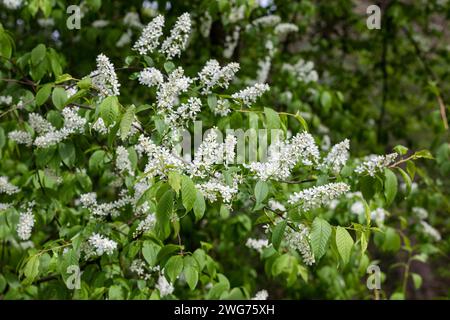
{"points": [[191, 275], [59, 97], [97, 160], [109, 110], [199, 206], [301, 120], [63, 78], [38, 54], [423, 154], [401, 150], [212, 101], [173, 267], [320, 235], [272, 119], [150, 252], [188, 193], [407, 180], [344, 243], [115, 292], [67, 153], [417, 279], [43, 94], [277, 234], [6, 44], [261, 191], [164, 209], [326, 100], [174, 179], [392, 241], [126, 122], [84, 83], [169, 66], [390, 186], [2, 138], [31, 269]]}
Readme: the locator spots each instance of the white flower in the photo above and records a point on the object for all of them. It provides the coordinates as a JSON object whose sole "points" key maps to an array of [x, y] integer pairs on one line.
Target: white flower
{"points": [[284, 155], [379, 215], [358, 208], [4, 206], [145, 225], [209, 153], [6, 100], [261, 295], [250, 94], [164, 287], [73, 123], [421, 213], [229, 149], [160, 160], [222, 108], [21, 137], [185, 113], [302, 70], [89, 201], [267, 21], [150, 77], [376, 163], [149, 38], [231, 43], [26, 223], [104, 78], [39, 124], [315, 197], [124, 39], [257, 244], [123, 162], [12, 4], [131, 19], [102, 244], [338, 156], [169, 91], [178, 38], [100, 126], [276, 206], [213, 75], [216, 188], [299, 240], [430, 231], [263, 70], [284, 28], [6, 187], [46, 22], [205, 24]]}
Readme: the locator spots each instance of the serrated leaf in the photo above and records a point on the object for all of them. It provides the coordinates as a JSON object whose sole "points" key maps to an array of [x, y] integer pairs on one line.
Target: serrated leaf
{"points": [[277, 234], [173, 267], [126, 122], [164, 209], [261, 191], [199, 206], [67, 153], [390, 186], [150, 252], [31, 269], [320, 235], [174, 180], [191, 275], [59, 97], [344, 243], [272, 119], [43, 94], [188, 193], [38, 54]]}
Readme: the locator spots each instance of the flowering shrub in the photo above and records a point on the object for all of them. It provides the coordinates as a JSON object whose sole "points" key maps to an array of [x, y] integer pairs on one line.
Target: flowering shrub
{"points": [[111, 186]]}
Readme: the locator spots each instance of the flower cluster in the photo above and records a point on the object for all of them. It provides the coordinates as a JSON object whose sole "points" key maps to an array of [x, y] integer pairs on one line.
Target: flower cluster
{"points": [[73, 123], [89, 201], [104, 78], [376, 163], [150, 77], [261, 295], [26, 223], [178, 38], [315, 197], [6, 187], [303, 71], [21, 137], [217, 188], [12, 4], [257, 244], [249, 95], [284, 155], [300, 241], [123, 162], [213, 75], [338, 156], [145, 225], [165, 287], [6, 100], [160, 159], [101, 244], [149, 39]]}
